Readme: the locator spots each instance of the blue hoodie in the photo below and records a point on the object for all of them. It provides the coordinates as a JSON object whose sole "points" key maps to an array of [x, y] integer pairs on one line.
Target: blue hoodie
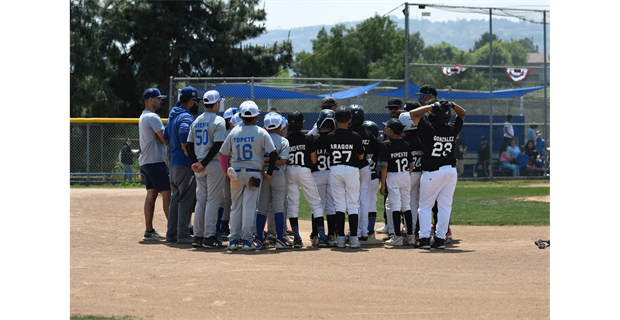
{"points": [[176, 132]]}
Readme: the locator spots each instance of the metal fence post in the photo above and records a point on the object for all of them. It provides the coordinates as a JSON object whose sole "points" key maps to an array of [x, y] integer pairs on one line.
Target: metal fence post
{"points": [[88, 152], [252, 88], [545, 86], [406, 12], [170, 95], [491, 89]]}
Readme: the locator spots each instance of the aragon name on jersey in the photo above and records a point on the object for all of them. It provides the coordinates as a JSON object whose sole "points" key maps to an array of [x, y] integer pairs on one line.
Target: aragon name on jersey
{"points": [[342, 146]]}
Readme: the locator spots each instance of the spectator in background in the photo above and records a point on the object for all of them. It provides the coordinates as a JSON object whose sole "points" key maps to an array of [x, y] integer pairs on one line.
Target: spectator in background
{"points": [[540, 145], [513, 148], [484, 157], [534, 156], [509, 131], [126, 157], [506, 159], [459, 152], [522, 160], [531, 132]]}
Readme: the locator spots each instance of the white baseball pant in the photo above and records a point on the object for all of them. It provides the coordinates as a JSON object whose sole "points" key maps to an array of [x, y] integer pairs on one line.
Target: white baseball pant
{"points": [[209, 185], [244, 202], [296, 177], [364, 201], [437, 186], [345, 184], [321, 179]]}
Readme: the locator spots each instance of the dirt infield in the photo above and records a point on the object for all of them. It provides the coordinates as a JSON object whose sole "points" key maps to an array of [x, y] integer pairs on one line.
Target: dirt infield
{"points": [[487, 273]]}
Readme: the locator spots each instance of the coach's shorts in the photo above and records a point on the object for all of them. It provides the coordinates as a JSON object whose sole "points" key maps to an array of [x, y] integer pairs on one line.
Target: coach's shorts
{"points": [[156, 176]]}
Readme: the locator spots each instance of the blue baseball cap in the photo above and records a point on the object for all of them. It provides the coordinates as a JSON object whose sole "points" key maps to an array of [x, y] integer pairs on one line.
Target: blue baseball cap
{"points": [[189, 92], [483, 137], [152, 93]]}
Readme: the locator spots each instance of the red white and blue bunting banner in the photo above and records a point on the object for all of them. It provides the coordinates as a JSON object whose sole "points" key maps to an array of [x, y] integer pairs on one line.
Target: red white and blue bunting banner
{"points": [[517, 75], [453, 70]]}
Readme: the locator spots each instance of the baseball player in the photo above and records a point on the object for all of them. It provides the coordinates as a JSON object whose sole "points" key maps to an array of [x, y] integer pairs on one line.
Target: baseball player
{"points": [[396, 167], [206, 135], [246, 146], [369, 142], [345, 151], [321, 173], [372, 155], [394, 107], [301, 159], [439, 175], [223, 229], [273, 190], [326, 103], [411, 137]]}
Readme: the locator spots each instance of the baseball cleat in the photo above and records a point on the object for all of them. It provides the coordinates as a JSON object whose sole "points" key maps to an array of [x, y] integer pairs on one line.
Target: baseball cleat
{"points": [[212, 243], [363, 238], [440, 243], [396, 241], [371, 234], [449, 236], [410, 240], [387, 237], [354, 242], [283, 244], [315, 241], [233, 245], [297, 243], [326, 242], [424, 243], [197, 242], [341, 241], [384, 229], [248, 245], [258, 244]]}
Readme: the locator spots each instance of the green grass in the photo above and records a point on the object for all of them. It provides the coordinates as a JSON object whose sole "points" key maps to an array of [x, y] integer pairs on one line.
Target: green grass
{"points": [[485, 203], [478, 203]]}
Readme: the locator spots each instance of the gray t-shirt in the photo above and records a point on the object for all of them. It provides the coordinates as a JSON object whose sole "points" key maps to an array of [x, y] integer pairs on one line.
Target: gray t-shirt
{"points": [[207, 129], [282, 148], [246, 145], [153, 150]]}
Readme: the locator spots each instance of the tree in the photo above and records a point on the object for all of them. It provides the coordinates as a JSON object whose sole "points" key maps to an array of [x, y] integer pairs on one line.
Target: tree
{"points": [[146, 42], [528, 44], [353, 52], [484, 39]]}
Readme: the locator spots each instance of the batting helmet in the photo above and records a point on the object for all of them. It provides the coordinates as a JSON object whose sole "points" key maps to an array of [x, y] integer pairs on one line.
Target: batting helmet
{"points": [[326, 115], [440, 113], [357, 114], [372, 127]]}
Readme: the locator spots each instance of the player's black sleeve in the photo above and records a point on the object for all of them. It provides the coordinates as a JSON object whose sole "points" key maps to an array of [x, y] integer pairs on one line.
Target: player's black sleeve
{"points": [[191, 153], [212, 153], [273, 157]]}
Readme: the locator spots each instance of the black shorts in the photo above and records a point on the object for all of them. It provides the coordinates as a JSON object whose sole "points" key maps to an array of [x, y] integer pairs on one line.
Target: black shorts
{"points": [[156, 176]]}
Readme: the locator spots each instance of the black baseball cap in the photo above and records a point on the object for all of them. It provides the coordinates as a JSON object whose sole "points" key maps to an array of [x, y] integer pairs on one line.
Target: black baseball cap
{"points": [[395, 125], [428, 89], [295, 117], [395, 103], [412, 105], [328, 102]]}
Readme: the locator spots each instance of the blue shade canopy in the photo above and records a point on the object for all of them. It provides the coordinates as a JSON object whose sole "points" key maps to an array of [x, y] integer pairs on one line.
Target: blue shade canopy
{"points": [[351, 92], [245, 91], [413, 89]]}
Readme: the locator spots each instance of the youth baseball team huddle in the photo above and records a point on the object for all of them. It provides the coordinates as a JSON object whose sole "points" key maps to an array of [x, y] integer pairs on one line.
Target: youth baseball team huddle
{"points": [[239, 178]]}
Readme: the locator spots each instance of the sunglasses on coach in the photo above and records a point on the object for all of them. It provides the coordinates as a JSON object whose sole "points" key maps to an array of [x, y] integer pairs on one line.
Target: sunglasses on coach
{"points": [[421, 95]]}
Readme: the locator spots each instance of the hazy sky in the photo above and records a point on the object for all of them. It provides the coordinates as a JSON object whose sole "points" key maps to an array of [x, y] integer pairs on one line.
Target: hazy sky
{"points": [[287, 14]]}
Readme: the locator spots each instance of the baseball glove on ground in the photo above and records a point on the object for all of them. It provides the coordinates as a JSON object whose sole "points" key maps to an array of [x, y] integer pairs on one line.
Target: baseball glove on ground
{"points": [[254, 183]]}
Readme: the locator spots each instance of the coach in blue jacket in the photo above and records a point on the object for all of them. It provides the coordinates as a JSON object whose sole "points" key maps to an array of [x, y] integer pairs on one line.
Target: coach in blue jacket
{"points": [[182, 184]]}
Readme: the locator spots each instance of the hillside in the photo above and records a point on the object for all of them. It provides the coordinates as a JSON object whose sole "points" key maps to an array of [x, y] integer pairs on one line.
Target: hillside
{"points": [[460, 33]]}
